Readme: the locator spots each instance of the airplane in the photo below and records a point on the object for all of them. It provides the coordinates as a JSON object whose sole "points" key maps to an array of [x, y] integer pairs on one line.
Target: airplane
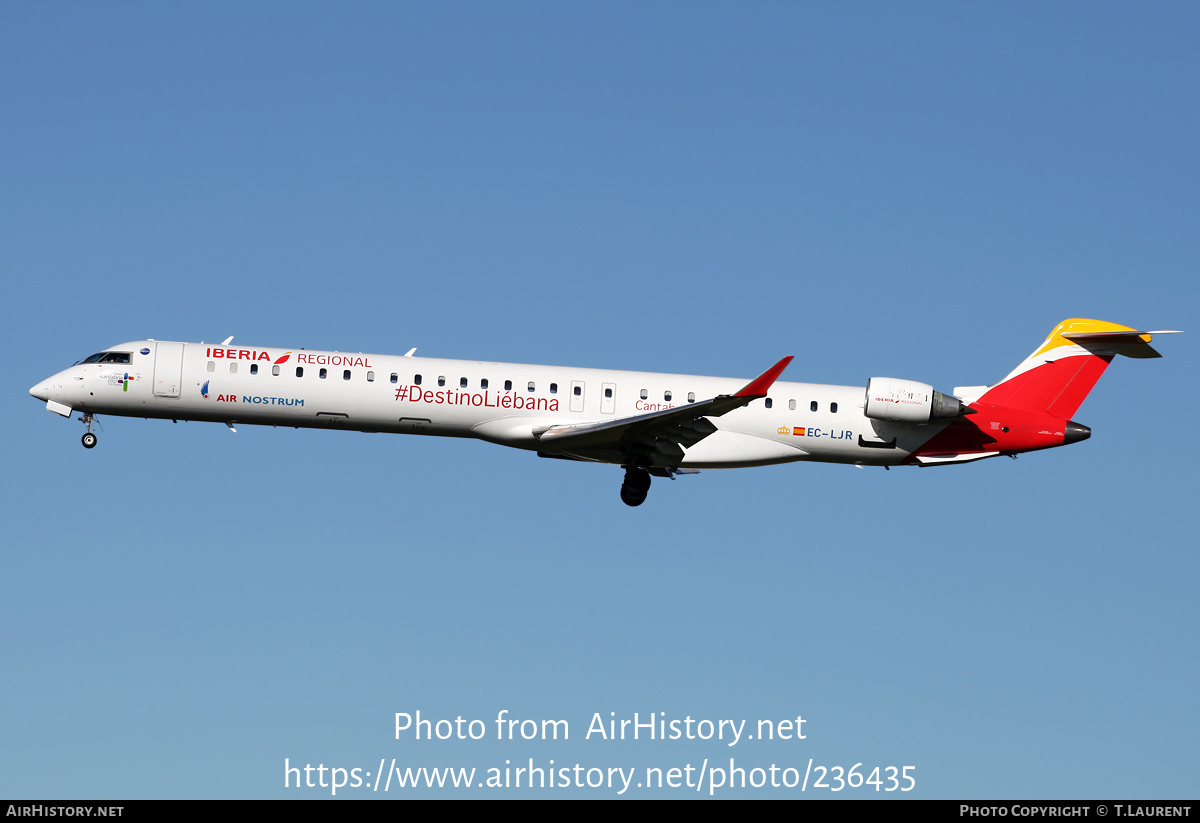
{"points": [[652, 425]]}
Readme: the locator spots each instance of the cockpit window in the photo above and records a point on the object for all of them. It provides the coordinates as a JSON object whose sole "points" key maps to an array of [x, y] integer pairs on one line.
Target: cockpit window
{"points": [[123, 357]]}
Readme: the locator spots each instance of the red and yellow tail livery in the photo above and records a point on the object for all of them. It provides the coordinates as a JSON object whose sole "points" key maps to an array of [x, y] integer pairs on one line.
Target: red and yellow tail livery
{"points": [[1032, 407]]}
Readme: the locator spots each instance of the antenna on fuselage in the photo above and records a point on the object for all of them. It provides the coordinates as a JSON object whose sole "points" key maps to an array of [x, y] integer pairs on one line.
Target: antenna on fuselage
{"points": [[411, 352], [227, 340]]}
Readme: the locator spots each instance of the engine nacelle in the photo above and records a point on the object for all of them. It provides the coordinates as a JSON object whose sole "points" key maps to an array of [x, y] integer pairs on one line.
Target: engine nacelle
{"points": [[907, 401]]}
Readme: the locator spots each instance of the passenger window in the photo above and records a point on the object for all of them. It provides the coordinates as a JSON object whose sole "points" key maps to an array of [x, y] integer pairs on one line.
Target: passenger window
{"points": [[212, 366], [767, 402], [508, 385], [691, 397], [370, 377], [395, 377], [299, 371], [462, 382], [274, 371], [812, 406], [531, 385], [483, 384], [578, 391], [833, 407], [554, 388], [792, 405], [346, 374], [254, 368], [667, 396], [324, 373], [417, 379], [608, 393], [645, 394], [441, 379], [233, 368]]}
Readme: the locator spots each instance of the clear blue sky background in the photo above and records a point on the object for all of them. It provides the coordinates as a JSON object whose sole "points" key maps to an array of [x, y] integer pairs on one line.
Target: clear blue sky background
{"points": [[911, 191]]}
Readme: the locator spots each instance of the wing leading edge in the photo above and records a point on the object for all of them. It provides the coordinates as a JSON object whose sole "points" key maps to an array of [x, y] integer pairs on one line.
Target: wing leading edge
{"points": [[656, 439]]}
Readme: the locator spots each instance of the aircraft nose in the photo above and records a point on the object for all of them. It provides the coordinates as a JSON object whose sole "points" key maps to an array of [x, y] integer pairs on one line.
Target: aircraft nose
{"points": [[41, 391]]}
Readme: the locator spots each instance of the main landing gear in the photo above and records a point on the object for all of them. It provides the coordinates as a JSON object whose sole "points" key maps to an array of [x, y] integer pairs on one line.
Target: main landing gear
{"points": [[89, 439], [636, 486], [637, 482]]}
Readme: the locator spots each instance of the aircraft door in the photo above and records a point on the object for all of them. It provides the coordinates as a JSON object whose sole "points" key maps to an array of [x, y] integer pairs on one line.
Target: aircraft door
{"points": [[608, 398], [576, 395], [168, 369]]}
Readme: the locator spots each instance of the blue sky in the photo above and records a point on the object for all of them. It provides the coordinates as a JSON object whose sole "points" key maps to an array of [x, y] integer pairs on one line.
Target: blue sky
{"points": [[919, 192]]}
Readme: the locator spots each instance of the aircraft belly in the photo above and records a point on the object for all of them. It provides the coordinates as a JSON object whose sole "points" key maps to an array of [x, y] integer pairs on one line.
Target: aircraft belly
{"points": [[727, 449], [515, 431]]}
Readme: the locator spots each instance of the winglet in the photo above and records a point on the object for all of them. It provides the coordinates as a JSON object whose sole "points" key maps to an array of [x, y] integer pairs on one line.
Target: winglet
{"points": [[759, 385]]}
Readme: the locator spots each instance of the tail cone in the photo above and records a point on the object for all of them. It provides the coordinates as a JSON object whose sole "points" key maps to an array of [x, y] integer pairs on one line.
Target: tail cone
{"points": [[1076, 432]]}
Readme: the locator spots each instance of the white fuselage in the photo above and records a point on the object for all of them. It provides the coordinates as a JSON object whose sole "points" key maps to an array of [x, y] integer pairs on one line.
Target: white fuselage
{"points": [[504, 403]]}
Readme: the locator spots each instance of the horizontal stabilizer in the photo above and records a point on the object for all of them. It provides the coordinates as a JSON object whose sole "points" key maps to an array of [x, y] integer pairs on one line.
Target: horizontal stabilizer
{"points": [[1130, 343]]}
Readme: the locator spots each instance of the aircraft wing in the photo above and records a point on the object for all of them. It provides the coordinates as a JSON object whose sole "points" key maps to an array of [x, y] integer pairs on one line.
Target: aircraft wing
{"points": [[656, 439]]}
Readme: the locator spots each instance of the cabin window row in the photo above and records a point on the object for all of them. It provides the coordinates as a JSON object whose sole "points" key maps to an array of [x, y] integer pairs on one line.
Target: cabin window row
{"points": [[667, 395], [483, 384], [812, 407], [275, 370], [395, 378]]}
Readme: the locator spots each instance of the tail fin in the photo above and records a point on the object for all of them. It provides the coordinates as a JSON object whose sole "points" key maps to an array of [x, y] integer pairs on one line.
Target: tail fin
{"points": [[1059, 374]]}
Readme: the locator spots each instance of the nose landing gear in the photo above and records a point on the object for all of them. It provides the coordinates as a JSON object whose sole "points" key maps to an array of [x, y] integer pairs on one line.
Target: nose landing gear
{"points": [[89, 439]]}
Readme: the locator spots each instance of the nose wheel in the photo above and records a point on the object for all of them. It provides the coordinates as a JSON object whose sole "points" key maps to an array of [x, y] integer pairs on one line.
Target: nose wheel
{"points": [[89, 439]]}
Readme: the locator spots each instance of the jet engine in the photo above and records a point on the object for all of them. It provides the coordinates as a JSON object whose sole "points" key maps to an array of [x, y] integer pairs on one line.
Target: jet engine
{"points": [[907, 401]]}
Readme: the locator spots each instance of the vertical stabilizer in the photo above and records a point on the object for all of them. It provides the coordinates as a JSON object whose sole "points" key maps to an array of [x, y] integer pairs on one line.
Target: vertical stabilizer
{"points": [[1059, 374]]}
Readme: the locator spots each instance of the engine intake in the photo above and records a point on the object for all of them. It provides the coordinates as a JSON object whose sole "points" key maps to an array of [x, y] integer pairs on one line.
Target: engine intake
{"points": [[907, 401]]}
